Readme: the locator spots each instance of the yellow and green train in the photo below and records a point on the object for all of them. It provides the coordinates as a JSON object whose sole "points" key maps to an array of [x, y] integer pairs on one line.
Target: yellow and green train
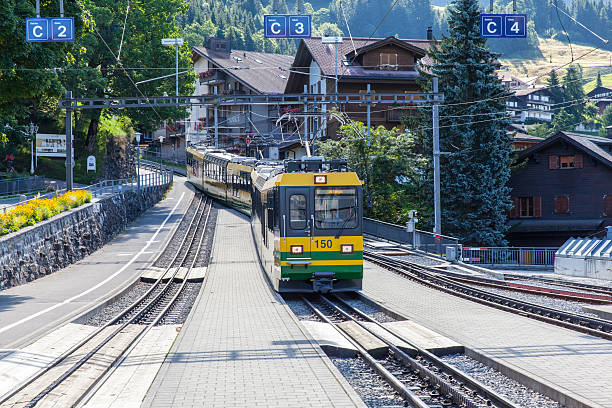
{"points": [[306, 215]]}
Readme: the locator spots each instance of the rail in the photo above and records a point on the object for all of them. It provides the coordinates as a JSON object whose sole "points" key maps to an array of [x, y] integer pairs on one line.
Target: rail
{"points": [[22, 185], [507, 256]]}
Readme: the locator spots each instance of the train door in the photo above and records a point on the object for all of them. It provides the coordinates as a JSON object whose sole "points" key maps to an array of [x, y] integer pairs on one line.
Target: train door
{"points": [[299, 224]]}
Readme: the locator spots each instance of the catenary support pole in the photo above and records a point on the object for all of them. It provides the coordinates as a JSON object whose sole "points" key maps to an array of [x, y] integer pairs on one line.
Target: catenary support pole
{"points": [[38, 8], [177, 73], [436, 162], [336, 69], [216, 121], [369, 124], [306, 139], [61, 8], [69, 141]]}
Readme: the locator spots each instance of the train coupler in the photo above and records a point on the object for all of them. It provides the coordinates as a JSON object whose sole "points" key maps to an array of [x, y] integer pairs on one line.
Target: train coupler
{"points": [[323, 282]]}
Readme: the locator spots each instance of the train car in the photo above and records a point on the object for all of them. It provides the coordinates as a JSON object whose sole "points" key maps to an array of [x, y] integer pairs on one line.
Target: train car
{"points": [[306, 216]]}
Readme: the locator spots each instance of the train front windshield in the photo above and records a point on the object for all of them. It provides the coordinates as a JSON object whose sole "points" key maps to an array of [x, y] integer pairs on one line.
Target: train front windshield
{"points": [[336, 207]]}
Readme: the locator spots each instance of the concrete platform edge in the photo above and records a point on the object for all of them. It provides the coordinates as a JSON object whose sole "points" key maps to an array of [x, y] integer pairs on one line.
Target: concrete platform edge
{"points": [[564, 397]]}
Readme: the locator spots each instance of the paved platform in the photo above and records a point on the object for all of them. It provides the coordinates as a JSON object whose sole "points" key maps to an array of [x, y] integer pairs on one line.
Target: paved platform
{"points": [[603, 311], [29, 311], [241, 346], [575, 363]]}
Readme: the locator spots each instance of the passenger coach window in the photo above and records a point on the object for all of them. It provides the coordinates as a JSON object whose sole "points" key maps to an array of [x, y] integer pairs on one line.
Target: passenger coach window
{"points": [[297, 212], [335, 207]]}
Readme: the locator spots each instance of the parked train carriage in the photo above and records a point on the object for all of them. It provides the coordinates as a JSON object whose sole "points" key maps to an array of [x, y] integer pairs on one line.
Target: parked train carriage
{"points": [[308, 229]]}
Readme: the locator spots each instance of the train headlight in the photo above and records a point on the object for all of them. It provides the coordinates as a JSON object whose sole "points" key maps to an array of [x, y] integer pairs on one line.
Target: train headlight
{"points": [[297, 249], [320, 179], [346, 248]]}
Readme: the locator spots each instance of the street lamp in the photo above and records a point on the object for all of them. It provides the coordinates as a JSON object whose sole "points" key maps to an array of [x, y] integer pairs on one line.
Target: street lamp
{"points": [[336, 41], [32, 129], [137, 134], [174, 42]]}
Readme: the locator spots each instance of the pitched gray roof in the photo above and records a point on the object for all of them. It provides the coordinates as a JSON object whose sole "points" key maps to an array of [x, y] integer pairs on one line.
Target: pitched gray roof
{"points": [[595, 146], [257, 70], [325, 54]]}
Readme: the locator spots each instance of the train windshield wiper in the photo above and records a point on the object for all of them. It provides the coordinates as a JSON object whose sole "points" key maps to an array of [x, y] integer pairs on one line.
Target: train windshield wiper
{"points": [[353, 206]]}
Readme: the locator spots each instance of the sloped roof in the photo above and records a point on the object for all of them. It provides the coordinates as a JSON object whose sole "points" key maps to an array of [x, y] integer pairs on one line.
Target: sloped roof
{"points": [[599, 89], [257, 70], [592, 145], [523, 92], [311, 49]]}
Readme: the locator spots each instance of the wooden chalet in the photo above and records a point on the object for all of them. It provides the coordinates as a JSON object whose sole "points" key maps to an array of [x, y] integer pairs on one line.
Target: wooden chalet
{"points": [[561, 188]]}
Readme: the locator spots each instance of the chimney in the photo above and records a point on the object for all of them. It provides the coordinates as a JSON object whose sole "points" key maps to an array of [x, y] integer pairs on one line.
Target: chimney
{"points": [[219, 45], [429, 33], [609, 232]]}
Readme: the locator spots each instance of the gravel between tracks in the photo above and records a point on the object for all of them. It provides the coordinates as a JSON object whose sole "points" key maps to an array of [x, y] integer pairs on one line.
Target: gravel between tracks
{"points": [[560, 304], [113, 309], [503, 385], [552, 286], [374, 391]]}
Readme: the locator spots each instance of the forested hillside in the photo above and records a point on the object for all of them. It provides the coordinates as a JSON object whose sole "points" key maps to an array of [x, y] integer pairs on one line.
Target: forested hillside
{"points": [[242, 21]]}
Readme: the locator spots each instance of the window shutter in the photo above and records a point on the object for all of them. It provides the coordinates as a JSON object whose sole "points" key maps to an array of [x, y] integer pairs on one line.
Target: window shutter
{"points": [[578, 162], [553, 162], [537, 207], [608, 205], [562, 204], [515, 208]]}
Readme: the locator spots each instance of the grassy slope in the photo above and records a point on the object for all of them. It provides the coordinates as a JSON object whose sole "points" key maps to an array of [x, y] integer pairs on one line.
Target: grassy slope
{"points": [[557, 53], [606, 80]]}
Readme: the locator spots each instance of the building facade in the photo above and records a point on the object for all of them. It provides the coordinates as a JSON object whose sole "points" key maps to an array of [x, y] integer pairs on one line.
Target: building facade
{"points": [[387, 65], [531, 105], [601, 96], [223, 71], [561, 188]]}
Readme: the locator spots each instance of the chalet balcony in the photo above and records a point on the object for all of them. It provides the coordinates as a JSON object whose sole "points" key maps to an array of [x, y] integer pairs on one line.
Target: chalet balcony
{"points": [[213, 76]]}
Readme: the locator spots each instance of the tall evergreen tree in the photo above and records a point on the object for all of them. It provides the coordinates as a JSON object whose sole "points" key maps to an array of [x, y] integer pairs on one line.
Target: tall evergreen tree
{"points": [[555, 87], [598, 83], [474, 176], [574, 92]]}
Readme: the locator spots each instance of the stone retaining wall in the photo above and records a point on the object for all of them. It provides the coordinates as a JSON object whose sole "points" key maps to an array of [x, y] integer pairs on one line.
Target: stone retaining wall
{"points": [[46, 247]]}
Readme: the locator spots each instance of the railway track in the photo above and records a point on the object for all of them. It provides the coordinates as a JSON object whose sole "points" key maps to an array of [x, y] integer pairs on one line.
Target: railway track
{"points": [[575, 295], [423, 380], [73, 377], [432, 278], [606, 291]]}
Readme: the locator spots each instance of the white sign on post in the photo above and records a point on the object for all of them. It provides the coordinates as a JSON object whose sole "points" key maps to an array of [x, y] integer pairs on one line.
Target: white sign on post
{"points": [[91, 163], [50, 145]]}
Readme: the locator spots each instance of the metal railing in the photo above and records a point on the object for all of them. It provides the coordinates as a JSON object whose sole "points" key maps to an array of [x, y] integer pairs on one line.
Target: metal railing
{"points": [[22, 185], [420, 240], [161, 176], [507, 256]]}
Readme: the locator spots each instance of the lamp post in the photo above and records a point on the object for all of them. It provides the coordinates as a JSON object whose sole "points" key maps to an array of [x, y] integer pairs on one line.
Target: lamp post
{"points": [[32, 129], [174, 42], [336, 41]]}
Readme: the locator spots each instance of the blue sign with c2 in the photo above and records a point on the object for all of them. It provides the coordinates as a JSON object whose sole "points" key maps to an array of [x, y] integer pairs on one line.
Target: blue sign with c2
{"points": [[50, 29]]}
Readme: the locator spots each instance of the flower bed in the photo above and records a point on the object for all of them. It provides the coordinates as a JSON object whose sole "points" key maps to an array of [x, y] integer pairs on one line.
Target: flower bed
{"points": [[40, 209]]}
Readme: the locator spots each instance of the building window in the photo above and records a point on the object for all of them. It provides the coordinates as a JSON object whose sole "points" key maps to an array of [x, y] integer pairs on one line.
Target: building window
{"points": [[387, 61], [608, 205], [566, 162], [562, 204], [526, 206]]}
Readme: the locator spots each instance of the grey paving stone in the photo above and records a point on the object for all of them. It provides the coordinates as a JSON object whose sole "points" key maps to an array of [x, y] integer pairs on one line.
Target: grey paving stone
{"points": [[241, 346], [577, 363]]}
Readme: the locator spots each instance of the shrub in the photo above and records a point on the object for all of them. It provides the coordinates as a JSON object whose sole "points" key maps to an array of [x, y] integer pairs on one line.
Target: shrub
{"points": [[41, 209]]}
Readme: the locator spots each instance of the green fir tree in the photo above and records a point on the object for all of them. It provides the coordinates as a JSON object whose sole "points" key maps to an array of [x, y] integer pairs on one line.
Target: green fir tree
{"points": [[598, 83], [555, 87], [475, 173]]}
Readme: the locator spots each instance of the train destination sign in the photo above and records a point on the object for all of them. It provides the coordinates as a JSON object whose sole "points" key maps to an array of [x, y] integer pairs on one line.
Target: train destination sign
{"points": [[503, 25]]}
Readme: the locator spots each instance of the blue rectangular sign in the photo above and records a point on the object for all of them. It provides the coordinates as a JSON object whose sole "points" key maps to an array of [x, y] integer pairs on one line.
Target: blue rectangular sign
{"points": [[299, 26], [62, 29], [275, 26], [503, 25], [515, 25], [287, 26], [50, 29], [37, 29], [491, 25]]}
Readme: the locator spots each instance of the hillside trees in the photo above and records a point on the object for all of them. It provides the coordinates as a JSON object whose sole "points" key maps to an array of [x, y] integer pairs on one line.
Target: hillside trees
{"points": [[394, 173], [474, 175]]}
